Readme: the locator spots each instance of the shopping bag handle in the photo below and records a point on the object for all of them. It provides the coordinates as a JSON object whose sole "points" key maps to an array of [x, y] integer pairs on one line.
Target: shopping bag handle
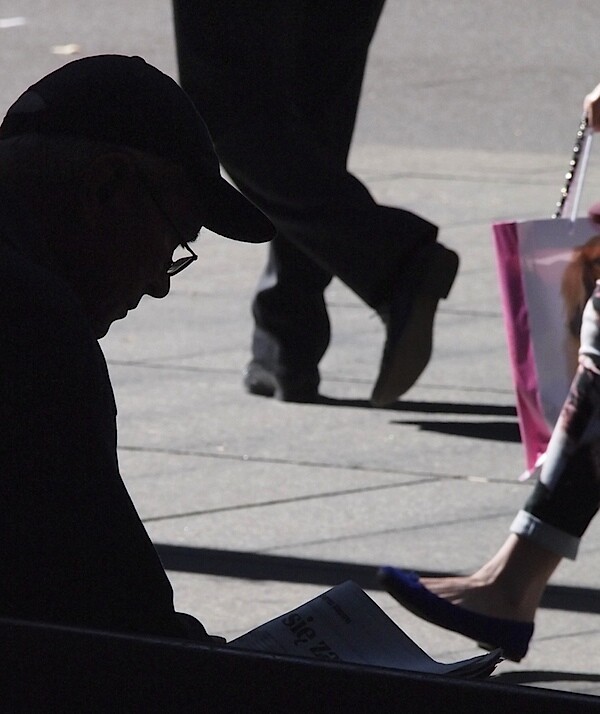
{"points": [[570, 193]]}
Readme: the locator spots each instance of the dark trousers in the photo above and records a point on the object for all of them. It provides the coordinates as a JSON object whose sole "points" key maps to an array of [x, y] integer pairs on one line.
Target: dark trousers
{"points": [[278, 83]]}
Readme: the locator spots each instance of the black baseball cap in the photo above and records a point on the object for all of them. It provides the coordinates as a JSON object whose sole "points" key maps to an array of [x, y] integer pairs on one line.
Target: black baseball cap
{"points": [[128, 102]]}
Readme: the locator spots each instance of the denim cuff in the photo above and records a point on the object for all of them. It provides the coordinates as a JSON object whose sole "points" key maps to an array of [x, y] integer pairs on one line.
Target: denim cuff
{"points": [[528, 526]]}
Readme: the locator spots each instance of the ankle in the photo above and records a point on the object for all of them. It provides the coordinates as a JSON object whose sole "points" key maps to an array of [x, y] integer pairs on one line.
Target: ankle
{"points": [[516, 577]]}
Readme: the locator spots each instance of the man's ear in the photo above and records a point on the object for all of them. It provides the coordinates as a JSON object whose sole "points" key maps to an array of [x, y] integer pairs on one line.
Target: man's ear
{"points": [[109, 185]]}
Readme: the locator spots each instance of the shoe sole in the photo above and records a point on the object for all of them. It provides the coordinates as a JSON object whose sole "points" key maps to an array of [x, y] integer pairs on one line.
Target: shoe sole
{"points": [[412, 351]]}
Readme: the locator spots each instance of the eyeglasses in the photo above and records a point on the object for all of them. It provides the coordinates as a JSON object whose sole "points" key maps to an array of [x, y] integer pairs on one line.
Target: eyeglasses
{"points": [[182, 263]]}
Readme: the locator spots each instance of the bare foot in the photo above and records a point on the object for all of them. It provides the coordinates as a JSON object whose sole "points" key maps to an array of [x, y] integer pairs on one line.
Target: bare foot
{"points": [[474, 593], [510, 585]]}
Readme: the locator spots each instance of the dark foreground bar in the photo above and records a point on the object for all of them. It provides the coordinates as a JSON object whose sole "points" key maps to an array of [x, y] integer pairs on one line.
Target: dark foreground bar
{"points": [[59, 669]]}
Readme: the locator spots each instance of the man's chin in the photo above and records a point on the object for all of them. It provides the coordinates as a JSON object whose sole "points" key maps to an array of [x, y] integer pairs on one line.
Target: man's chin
{"points": [[101, 327], [100, 331]]}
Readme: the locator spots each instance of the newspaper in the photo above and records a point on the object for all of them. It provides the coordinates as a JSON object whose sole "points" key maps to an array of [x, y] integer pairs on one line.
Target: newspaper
{"points": [[345, 625]]}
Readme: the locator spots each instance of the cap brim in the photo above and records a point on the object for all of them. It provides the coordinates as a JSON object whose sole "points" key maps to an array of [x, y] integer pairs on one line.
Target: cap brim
{"points": [[231, 215]]}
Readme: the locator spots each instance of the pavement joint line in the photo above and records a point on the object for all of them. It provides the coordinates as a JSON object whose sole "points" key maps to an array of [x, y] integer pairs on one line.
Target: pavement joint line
{"points": [[509, 180], [441, 310], [428, 476], [151, 364], [457, 77], [387, 531], [469, 313], [422, 478], [283, 501], [568, 635], [279, 461]]}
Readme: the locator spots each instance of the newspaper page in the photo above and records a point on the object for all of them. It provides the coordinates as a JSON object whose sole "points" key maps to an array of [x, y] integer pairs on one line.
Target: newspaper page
{"points": [[345, 625]]}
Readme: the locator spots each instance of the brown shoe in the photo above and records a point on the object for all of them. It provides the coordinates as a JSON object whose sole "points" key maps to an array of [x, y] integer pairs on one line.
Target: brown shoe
{"points": [[409, 323]]}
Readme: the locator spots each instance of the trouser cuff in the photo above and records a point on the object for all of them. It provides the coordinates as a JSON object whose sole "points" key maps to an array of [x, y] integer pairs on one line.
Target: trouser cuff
{"points": [[528, 526]]}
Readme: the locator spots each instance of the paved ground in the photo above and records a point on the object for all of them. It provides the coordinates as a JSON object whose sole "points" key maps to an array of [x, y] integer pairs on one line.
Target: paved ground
{"points": [[468, 115]]}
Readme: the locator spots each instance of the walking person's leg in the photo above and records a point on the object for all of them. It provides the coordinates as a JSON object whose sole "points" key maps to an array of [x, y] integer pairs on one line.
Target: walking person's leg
{"points": [[292, 169], [497, 603]]}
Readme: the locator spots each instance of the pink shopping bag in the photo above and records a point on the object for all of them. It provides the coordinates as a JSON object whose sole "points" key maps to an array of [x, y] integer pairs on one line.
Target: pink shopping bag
{"points": [[542, 270], [547, 270]]}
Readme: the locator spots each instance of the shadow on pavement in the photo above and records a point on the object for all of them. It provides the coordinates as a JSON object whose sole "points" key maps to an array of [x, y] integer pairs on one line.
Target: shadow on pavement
{"points": [[491, 430], [425, 407], [257, 566]]}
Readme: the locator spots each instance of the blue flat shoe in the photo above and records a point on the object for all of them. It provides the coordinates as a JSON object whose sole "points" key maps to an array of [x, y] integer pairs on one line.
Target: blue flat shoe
{"points": [[511, 636]]}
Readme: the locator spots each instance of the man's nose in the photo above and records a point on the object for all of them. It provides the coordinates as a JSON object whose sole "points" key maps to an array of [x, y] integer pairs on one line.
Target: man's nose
{"points": [[159, 288]]}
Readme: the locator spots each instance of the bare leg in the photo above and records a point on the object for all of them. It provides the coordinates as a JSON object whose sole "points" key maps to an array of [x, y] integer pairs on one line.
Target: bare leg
{"points": [[510, 585]]}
